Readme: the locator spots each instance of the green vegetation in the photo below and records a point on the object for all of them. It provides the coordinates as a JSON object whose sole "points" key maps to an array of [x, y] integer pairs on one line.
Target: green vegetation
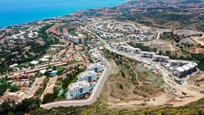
{"points": [[42, 88], [171, 36], [48, 40], [71, 77], [17, 54], [190, 57], [195, 57], [201, 26], [124, 64], [13, 88], [50, 97], [141, 46], [60, 70], [25, 106], [100, 108], [4, 85], [59, 92], [119, 85]]}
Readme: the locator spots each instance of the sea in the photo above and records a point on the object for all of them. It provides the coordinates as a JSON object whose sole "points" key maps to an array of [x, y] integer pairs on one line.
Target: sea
{"points": [[14, 12]]}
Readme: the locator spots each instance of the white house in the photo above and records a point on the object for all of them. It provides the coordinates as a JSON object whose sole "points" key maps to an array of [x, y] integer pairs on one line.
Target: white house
{"points": [[78, 89], [97, 67], [179, 72], [87, 76], [136, 50], [125, 48], [96, 57], [79, 39], [193, 66], [34, 62], [186, 69], [160, 58], [14, 65], [176, 62], [112, 36], [147, 54]]}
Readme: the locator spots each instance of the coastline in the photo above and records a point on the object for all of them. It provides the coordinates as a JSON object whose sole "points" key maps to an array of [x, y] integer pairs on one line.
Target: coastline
{"points": [[4, 26]]}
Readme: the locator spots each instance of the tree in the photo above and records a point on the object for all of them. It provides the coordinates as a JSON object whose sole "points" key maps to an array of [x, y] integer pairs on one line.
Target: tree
{"points": [[13, 88], [19, 108], [4, 85], [50, 96]]}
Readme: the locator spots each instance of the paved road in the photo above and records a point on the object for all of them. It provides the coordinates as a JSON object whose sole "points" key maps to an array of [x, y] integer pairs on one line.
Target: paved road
{"points": [[38, 68], [93, 97], [165, 73], [168, 79], [180, 88]]}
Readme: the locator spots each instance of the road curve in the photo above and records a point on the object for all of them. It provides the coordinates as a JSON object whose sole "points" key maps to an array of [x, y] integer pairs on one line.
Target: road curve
{"points": [[93, 97]]}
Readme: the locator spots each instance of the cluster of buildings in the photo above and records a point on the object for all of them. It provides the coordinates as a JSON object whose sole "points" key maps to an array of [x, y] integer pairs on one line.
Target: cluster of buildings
{"points": [[54, 30], [182, 68], [71, 53], [20, 38], [25, 91], [122, 27], [45, 59], [178, 68], [107, 35], [76, 39], [49, 87], [30, 92], [88, 79], [118, 30], [21, 81], [140, 37]]}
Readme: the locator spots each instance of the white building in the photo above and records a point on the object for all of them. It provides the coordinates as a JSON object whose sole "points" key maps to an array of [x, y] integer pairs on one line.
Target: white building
{"points": [[179, 72], [137, 51], [125, 48], [79, 39], [97, 67], [112, 36], [160, 58], [14, 65], [186, 69], [34, 62], [45, 58], [78, 89], [87, 76], [147, 54], [139, 37], [96, 56], [128, 49], [193, 66], [176, 62]]}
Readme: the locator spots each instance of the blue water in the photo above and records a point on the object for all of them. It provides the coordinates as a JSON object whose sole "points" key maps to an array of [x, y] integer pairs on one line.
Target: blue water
{"points": [[21, 11]]}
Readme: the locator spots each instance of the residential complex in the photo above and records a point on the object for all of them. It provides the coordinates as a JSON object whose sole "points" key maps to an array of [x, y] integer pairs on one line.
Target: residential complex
{"points": [[79, 89], [64, 62], [88, 76], [177, 67]]}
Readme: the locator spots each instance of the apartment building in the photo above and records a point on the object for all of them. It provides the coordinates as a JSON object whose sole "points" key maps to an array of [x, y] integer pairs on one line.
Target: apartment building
{"points": [[79, 89], [97, 67], [87, 76]]}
